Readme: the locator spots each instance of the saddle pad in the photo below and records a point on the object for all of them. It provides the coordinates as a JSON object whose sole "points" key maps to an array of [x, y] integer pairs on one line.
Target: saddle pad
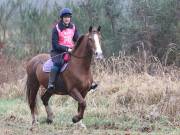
{"points": [[48, 65]]}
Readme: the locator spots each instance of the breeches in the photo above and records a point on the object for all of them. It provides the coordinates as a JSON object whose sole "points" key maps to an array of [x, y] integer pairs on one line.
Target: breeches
{"points": [[57, 59]]}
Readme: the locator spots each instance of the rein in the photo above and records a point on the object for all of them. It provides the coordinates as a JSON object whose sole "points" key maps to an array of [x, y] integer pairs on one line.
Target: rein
{"points": [[75, 56], [80, 57]]}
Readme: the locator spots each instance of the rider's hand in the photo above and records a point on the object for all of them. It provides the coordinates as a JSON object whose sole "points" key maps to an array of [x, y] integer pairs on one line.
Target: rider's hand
{"points": [[69, 50]]}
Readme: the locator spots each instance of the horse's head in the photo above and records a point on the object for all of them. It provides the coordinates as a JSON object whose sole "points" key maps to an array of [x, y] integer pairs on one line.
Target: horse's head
{"points": [[95, 41]]}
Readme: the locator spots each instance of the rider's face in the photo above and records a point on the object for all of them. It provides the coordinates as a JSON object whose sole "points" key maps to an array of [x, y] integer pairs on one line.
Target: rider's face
{"points": [[66, 19]]}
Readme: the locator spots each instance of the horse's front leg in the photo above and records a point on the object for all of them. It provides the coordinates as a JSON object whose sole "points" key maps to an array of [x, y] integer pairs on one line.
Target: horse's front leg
{"points": [[81, 104]]}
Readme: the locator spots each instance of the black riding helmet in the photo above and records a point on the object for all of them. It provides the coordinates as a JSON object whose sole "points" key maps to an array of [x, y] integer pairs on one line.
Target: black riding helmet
{"points": [[65, 12]]}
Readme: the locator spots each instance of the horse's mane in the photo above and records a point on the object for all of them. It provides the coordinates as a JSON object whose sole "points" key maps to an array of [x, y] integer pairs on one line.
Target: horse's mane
{"points": [[79, 41]]}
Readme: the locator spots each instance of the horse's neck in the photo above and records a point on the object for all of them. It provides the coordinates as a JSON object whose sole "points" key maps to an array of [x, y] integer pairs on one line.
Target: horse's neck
{"points": [[85, 56]]}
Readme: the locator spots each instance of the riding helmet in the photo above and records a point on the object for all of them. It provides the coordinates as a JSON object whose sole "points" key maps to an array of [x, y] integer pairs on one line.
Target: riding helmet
{"points": [[65, 11]]}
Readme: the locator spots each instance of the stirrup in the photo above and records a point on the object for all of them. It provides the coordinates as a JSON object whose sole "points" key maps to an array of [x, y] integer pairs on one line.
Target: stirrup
{"points": [[51, 87]]}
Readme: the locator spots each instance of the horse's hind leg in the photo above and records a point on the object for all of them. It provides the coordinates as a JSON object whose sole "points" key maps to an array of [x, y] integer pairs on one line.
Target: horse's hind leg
{"points": [[81, 105], [45, 99], [32, 89]]}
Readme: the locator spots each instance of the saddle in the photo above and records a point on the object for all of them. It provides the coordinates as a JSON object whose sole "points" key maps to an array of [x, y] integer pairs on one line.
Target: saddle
{"points": [[48, 65]]}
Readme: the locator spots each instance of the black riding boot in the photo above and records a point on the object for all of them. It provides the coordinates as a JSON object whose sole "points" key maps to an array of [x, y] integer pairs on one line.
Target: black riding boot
{"points": [[51, 87], [52, 80]]}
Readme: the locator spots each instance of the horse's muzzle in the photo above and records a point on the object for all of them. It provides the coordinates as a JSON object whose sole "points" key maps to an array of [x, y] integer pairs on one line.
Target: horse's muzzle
{"points": [[99, 55]]}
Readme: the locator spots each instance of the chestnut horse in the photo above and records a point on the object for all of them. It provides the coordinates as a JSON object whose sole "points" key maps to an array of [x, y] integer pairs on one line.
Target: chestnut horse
{"points": [[76, 79]]}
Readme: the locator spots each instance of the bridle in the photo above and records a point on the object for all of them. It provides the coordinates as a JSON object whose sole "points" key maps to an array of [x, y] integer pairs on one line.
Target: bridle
{"points": [[81, 57]]}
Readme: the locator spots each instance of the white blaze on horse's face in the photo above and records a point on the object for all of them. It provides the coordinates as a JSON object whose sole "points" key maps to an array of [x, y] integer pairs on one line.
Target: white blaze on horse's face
{"points": [[98, 50]]}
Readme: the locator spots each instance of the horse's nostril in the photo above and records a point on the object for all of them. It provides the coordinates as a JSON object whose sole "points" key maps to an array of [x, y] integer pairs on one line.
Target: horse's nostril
{"points": [[96, 53]]}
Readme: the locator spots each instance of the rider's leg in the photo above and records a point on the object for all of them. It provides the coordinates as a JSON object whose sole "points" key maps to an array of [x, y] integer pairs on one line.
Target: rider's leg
{"points": [[52, 78], [57, 65], [51, 85]]}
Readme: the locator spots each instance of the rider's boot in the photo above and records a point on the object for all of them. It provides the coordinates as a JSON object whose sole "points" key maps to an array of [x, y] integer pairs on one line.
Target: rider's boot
{"points": [[52, 80], [51, 86]]}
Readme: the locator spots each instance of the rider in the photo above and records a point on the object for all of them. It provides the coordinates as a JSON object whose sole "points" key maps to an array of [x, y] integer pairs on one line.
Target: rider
{"points": [[64, 35]]}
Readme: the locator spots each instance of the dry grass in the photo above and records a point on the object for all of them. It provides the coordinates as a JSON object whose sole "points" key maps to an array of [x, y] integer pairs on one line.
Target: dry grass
{"points": [[12, 77], [157, 94], [126, 100]]}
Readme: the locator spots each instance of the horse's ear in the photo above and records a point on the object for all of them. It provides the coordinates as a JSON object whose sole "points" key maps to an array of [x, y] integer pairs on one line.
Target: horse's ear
{"points": [[90, 29], [99, 29]]}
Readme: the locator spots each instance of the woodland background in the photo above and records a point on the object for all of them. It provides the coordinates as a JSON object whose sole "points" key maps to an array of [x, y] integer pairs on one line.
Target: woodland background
{"points": [[139, 89]]}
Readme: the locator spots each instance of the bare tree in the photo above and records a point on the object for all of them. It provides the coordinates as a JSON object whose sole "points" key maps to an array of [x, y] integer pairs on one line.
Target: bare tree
{"points": [[7, 10]]}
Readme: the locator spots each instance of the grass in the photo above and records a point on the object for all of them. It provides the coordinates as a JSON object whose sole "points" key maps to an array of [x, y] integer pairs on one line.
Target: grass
{"points": [[126, 102], [16, 117]]}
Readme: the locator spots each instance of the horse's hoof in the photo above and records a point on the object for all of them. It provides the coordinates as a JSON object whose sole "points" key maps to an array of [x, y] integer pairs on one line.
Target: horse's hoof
{"points": [[35, 123], [35, 126], [49, 121], [76, 119]]}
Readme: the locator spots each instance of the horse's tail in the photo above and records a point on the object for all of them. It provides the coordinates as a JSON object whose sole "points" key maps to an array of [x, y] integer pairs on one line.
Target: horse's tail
{"points": [[32, 86]]}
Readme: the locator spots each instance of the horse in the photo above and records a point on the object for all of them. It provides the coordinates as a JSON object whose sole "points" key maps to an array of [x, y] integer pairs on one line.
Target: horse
{"points": [[76, 79]]}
